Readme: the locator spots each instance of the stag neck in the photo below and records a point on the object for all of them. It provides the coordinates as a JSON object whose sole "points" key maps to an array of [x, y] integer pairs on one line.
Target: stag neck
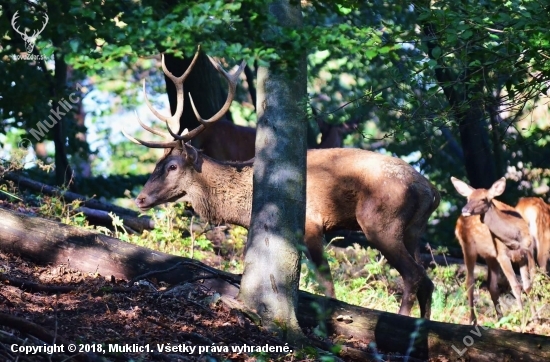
{"points": [[221, 191]]}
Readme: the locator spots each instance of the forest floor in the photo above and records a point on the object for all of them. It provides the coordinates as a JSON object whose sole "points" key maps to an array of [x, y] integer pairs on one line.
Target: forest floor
{"points": [[103, 317], [112, 321]]}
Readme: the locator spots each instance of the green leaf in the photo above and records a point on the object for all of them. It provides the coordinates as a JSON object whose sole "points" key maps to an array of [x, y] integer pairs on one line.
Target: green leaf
{"points": [[370, 53], [467, 34]]}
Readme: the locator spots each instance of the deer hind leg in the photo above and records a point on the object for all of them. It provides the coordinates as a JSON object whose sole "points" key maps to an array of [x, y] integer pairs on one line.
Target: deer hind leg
{"points": [[493, 272], [527, 270], [470, 256], [390, 242], [543, 252], [315, 253], [426, 288]]}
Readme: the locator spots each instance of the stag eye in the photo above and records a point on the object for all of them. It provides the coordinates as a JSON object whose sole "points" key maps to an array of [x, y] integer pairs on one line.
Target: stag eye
{"points": [[172, 167]]}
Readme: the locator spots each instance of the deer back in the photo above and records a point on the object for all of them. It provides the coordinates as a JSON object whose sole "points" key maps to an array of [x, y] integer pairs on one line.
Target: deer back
{"points": [[537, 214], [341, 182]]}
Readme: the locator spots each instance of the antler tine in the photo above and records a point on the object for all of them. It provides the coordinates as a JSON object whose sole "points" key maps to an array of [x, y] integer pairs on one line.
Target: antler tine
{"points": [[152, 130], [151, 144], [232, 85], [181, 79], [151, 108], [178, 83]]}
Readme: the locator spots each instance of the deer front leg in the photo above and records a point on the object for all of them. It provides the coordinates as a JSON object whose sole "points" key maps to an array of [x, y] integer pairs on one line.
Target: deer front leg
{"points": [[506, 266], [315, 253], [470, 256]]}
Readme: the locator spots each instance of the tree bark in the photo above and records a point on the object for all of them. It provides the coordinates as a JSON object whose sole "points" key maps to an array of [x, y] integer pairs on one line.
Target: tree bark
{"points": [[50, 243], [63, 170], [273, 250], [470, 115]]}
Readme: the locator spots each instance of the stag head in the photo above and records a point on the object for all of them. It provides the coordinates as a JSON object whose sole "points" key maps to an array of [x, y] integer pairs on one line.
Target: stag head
{"points": [[29, 40], [175, 171]]}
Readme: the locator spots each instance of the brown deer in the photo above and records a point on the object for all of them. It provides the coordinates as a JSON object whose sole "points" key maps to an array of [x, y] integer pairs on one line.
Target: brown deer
{"points": [[537, 214], [351, 189], [497, 233]]}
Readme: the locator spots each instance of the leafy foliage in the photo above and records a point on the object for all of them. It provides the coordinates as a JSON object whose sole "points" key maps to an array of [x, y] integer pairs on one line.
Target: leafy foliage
{"points": [[368, 61]]}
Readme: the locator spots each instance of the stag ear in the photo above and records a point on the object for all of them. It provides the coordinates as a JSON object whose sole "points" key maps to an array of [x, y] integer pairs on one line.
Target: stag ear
{"points": [[498, 188], [192, 156]]}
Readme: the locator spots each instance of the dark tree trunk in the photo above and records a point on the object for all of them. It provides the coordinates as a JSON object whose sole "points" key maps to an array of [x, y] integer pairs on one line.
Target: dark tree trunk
{"points": [[78, 132], [63, 171], [465, 101]]}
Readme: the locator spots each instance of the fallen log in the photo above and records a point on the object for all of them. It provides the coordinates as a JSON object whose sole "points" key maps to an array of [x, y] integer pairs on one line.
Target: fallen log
{"points": [[48, 242], [130, 217], [133, 224]]}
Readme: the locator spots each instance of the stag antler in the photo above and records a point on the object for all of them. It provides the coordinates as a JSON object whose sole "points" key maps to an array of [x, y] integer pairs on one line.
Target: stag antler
{"points": [[178, 82]]}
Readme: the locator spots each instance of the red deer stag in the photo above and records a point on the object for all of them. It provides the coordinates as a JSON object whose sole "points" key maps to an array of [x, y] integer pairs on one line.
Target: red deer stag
{"points": [[497, 233], [537, 214], [351, 189]]}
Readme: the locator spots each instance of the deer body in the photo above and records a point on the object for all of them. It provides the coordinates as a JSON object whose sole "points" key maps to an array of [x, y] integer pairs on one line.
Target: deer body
{"points": [[537, 214], [497, 233], [346, 189]]}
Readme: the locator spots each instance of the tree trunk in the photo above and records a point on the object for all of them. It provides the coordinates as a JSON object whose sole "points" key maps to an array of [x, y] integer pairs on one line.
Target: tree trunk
{"points": [[470, 115], [272, 261], [51, 243], [63, 171]]}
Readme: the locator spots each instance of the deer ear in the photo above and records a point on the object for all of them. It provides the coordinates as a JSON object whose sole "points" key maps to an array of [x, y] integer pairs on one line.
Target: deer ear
{"points": [[462, 187], [498, 188], [192, 156]]}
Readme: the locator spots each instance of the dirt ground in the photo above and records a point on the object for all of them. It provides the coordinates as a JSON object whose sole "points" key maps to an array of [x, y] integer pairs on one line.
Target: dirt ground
{"points": [[109, 321]]}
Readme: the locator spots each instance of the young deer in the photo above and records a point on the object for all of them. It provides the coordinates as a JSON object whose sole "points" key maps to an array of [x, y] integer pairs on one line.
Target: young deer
{"points": [[537, 214], [497, 233], [350, 189]]}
